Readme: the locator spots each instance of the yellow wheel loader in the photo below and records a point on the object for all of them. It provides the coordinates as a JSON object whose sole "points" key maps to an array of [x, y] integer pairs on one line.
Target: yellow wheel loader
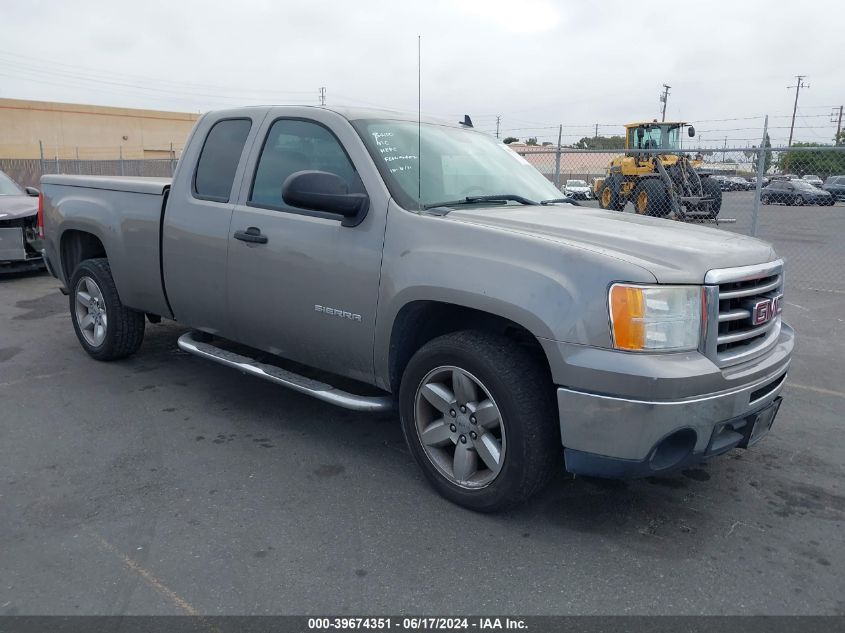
{"points": [[657, 177]]}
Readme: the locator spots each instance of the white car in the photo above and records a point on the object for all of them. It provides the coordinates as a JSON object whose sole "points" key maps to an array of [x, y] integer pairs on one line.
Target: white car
{"points": [[813, 180], [577, 190]]}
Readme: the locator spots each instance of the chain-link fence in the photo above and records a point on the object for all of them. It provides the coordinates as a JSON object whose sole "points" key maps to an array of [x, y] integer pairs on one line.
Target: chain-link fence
{"points": [[28, 171], [791, 197]]}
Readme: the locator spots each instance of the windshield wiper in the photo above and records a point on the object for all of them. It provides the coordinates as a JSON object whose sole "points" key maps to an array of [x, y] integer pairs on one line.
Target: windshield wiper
{"points": [[502, 197], [556, 200]]}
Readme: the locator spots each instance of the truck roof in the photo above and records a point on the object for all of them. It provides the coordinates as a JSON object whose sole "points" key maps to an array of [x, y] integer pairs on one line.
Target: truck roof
{"points": [[359, 113]]}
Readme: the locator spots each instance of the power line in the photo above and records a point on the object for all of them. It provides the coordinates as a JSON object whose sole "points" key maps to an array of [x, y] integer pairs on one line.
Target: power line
{"points": [[53, 67]]}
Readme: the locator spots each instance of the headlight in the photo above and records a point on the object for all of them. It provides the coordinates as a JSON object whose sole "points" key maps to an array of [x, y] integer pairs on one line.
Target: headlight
{"points": [[655, 318]]}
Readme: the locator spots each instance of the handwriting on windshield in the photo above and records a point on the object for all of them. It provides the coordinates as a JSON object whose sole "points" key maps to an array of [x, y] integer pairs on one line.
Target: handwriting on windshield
{"points": [[396, 159]]}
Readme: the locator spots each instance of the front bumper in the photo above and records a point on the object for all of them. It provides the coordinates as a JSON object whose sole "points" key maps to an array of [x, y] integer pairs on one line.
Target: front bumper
{"points": [[578, 195], [626, 436], [16, 254]]}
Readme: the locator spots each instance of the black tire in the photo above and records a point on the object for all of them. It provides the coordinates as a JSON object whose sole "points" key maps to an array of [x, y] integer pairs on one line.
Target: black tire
{"points": [[798, 201], [609, 197], [524, 394], [765, 200], [651, 198], [711, 189], [125, 327]]}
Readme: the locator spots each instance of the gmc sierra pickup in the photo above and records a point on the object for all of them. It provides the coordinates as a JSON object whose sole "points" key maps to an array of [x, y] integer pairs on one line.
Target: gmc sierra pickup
{"points": [[424, 265]]}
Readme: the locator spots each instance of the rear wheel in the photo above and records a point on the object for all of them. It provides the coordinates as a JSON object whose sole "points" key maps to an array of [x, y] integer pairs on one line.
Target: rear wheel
{"points": [[711, 189], [478, 414], [651, 198], [106, 329], [609, 197], [798, 201], [765, 200]]}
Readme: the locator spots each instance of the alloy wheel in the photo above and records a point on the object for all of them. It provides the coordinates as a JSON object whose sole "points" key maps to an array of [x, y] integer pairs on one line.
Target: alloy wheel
{"points": [[91, 311], [460, 427]]}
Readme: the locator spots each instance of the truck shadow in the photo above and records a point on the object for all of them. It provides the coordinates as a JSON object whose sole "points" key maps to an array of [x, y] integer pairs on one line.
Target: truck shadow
{"points": [[738, 497]]}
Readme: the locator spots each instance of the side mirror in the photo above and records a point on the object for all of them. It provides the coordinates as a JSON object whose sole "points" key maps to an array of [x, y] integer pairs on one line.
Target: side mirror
{"points": [[691, 131], [326, 192], [32, 191]]}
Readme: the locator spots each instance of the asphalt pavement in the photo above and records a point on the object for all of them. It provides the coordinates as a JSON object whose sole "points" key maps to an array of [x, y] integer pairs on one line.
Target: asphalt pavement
{"points": [[165, 484]]}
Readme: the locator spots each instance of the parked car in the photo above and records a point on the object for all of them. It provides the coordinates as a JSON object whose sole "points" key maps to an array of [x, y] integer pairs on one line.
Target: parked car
{"points": [[20, 242], [835, 186], [740, 183], [577, 190], [795, 192], [725, 184], [812, 179], [501, 323]]}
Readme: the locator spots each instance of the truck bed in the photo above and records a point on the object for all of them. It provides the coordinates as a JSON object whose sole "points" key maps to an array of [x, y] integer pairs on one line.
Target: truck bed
{"points": [[125, 214], [131, 184]]}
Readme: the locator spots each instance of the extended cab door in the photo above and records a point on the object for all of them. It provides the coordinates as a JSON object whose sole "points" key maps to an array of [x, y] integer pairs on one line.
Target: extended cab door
{"points": [[307, 290], [195, 230]]}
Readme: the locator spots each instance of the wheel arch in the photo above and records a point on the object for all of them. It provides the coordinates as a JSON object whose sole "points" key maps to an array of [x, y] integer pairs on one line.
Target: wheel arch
{"points": [[422, 320], [75, 246]]}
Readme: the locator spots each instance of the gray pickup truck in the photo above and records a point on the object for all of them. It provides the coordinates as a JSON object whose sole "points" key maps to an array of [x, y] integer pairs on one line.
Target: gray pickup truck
{"points": [[426, 266]]}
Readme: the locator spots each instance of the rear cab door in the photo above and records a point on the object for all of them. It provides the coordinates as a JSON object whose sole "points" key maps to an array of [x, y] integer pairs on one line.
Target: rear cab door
{"points": [[195, 230], [310, 292]]}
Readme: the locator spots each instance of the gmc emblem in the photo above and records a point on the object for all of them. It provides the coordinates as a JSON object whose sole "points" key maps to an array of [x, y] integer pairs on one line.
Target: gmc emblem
{"points": [[766, 309]]}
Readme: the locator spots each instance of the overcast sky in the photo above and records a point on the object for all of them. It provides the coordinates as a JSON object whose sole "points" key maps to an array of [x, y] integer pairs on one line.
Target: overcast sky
{"points": [[534, 62]]}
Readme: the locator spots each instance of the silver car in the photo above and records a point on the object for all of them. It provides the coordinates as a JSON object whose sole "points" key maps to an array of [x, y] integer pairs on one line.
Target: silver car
{"points": [[20, 239]]}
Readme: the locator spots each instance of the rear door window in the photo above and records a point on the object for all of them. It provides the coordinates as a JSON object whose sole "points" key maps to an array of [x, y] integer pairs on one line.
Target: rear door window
{"points": [[219, 159]]}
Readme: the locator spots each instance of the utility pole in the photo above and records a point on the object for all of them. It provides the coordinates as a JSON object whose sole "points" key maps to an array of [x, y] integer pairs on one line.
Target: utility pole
{"points": [[557, 156], [798, 85], [724, 149], [597, 132], [833, 118], [664, 98], [323, 96], [498, 120]]}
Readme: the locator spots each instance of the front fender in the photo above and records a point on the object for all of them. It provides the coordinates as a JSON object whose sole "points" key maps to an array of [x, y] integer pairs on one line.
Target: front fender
{"points": [[557, 293]]}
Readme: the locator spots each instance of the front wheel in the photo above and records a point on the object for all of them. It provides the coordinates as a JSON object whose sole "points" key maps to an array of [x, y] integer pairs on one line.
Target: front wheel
{"points": [[798, 201], [106, 329], [711, 189], [478, 414]]}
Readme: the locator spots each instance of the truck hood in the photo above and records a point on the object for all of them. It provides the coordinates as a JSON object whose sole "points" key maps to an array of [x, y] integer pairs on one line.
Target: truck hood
{"points": [[12, 207], [674, 252]]}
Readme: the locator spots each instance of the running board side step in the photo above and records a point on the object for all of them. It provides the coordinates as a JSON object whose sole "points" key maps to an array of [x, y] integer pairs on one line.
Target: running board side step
{"points": [[308, 386]]}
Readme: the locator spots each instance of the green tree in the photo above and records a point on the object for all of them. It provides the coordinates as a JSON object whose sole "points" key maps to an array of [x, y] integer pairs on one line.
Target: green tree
{"points": [[601, 142], [531, 141], [801, 159], [510, 139]]}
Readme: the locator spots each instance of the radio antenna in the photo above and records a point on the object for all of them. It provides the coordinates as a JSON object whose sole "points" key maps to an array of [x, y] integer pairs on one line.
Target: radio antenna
{"points": [[419, 118]]}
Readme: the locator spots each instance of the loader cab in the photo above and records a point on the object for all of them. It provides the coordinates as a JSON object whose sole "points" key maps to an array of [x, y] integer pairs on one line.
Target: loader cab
{"points": [[654, 135]]}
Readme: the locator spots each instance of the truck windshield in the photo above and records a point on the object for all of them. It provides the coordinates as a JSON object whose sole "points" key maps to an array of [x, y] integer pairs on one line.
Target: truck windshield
{"points": [[8, 186], [456, 163]]}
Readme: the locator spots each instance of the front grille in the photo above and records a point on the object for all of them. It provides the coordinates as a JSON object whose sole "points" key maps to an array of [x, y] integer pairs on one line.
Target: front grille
{"points": [[734, 337]]}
